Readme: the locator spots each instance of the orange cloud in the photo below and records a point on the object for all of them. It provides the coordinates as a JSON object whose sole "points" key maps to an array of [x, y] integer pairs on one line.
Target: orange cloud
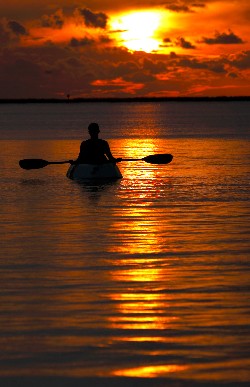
{"points": [[118, 84]]}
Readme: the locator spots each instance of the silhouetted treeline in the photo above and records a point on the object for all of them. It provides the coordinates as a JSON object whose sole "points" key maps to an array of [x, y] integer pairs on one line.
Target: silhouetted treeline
{"points": [[125, 99]]}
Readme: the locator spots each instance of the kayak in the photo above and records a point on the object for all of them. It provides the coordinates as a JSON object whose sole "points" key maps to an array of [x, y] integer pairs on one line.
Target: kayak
{"points": [[94, 171]]}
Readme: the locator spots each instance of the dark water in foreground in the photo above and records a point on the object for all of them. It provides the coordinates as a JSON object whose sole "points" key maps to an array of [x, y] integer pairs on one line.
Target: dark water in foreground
{"points": [[140, 282]]}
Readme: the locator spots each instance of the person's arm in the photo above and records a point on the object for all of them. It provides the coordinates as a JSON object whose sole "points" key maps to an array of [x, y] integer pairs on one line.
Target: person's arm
{"points": [[81, 153], [109, 155]]}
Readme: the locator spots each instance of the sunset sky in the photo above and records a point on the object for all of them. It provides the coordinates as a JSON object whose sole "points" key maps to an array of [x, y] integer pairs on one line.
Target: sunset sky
{"points": [[129, 48]]}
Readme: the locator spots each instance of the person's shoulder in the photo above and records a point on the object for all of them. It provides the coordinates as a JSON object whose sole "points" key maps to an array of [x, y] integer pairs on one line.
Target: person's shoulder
{"points": [[87, 141], [104, 142], [84, 143]]}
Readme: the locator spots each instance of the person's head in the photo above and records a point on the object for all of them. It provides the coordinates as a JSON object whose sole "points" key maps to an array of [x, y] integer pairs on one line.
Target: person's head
{"points": [[93, 129]]}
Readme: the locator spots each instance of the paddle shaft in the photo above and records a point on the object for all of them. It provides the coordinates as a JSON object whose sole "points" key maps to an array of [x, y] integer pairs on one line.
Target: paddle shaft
{"points": [[40, 163], [131, 159], [59, 162]]}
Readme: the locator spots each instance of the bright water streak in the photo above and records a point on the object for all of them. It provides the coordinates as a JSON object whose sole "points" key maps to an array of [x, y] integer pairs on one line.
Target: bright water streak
{"points": [[146, 277]]}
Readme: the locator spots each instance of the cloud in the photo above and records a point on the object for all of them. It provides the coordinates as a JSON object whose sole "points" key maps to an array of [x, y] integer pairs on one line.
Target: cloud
{"points": [[118, 85], [11, 32], [223, 38], [215, 66], [233, 75], [199, 5], [94, 20], [218, 68], [184, 43], [4, 33], [154, 67], [180, 42], [241, 61], [178, 6], [192, 63], [17, 28], [89, 41], [53, 21], [105, 39], [81, 42], [167, 40], [130, 71]]}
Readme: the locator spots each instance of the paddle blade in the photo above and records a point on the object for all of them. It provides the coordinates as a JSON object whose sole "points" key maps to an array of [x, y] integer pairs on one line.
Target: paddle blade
{"points": [[158, 159], [33, 163]]}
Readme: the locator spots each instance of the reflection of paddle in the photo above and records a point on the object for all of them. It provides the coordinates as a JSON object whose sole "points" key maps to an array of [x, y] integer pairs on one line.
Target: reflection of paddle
{"points": [[40, 163]]}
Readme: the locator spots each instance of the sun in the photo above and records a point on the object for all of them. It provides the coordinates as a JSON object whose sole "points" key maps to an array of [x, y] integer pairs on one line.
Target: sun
{"points": [[137, 30]]}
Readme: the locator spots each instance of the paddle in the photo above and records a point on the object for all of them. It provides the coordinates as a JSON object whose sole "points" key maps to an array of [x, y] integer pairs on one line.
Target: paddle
{"points": [[40, 163], [154, 159]]}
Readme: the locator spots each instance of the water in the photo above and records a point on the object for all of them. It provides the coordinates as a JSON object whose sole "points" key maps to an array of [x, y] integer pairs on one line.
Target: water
{"points": [[144, 281]]}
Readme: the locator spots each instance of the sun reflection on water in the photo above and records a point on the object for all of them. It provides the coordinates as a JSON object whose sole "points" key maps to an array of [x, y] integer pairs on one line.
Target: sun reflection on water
{"points": [[142, 309], [140, 273], [150, 371]]}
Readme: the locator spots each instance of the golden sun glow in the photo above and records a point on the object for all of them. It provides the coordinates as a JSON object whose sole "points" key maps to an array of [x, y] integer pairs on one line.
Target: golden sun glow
{"points": [[137, 30]]}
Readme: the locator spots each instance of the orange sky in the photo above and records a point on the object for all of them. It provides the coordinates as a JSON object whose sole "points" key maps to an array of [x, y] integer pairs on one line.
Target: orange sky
{"points": [[132, 48]]}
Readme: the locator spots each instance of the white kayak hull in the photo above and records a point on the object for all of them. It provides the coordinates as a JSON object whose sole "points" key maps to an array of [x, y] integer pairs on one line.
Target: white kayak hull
{"points": [[94, 172]]}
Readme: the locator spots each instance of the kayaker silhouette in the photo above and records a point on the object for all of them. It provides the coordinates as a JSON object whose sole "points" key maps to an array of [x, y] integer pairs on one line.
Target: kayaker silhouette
{"points": [[95, 150]]}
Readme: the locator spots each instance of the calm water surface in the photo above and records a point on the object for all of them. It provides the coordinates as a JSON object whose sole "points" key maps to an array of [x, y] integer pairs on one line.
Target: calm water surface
{"points": [[144, 281]]}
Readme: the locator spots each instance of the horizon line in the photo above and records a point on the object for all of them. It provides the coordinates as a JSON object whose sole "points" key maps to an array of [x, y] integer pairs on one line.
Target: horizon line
{"points": [[123, 99]]}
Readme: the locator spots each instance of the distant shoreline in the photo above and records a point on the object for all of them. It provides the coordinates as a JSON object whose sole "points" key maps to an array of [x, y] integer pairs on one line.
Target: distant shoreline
{"points": [[127, 99]]}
